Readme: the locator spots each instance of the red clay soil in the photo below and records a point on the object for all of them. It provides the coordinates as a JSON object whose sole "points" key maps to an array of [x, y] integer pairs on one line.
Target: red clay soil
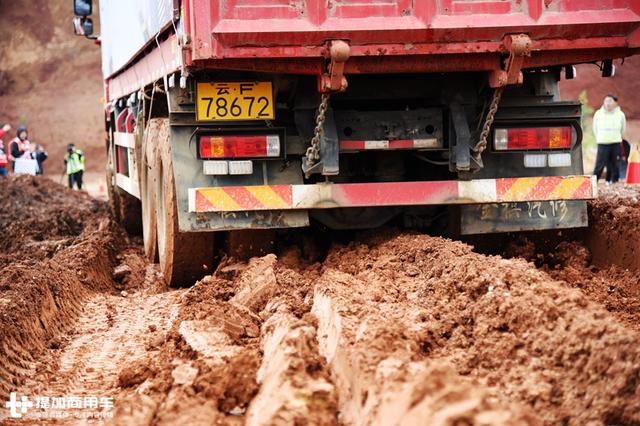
{"points": [[392, 329], [58, 246], [603, 261], [615, 288], [614, 227], [528, 338], [222, 361], [39, 217]]}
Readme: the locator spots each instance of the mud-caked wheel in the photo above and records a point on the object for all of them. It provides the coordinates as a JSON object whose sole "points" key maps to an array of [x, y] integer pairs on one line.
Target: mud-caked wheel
{"points": [[184, 257], [148, 184]]}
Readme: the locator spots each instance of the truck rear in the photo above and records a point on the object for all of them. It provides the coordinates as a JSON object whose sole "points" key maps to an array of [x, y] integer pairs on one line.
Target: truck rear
{"points": [[237, 115]]}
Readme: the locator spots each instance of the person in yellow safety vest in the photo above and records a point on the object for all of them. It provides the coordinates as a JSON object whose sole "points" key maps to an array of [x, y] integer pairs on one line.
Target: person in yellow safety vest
{"points": [[74, 162], [609, 125]]}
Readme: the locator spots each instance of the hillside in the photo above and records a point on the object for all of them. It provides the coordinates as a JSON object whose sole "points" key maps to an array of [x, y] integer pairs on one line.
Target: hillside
{"points": [[625, 84], [50, 80]]}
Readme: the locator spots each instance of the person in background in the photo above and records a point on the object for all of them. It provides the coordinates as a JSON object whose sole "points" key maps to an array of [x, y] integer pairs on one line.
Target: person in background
{"points": [[4, 160], [40, 155], [74, 162], [625, 150], [4, 129], [19, 146], [609, 125]]}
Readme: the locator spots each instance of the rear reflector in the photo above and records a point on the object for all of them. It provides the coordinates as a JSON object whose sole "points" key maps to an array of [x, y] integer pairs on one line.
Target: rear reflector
{"points": [[215, 167], [532, 138], [227, 167], [560, 160], [240, 167], [535, 160], [352, 145], [244, 146]]}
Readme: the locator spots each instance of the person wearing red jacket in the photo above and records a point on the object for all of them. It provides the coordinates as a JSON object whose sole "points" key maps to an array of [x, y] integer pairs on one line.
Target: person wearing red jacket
{"points": [[4, 159]]}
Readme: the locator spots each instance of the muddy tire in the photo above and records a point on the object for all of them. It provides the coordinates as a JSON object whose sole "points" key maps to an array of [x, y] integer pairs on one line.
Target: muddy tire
{"points": [[184, 257], [148, 185], [114, 197]]}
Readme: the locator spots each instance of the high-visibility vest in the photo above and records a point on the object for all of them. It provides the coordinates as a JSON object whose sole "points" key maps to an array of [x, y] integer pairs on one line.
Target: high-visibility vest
{"points": [[608, 126], [75, 162]]}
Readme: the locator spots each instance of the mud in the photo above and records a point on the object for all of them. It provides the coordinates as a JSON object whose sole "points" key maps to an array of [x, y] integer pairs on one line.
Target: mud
{"points": [[391, 328], [614, 220], [602, 261]]}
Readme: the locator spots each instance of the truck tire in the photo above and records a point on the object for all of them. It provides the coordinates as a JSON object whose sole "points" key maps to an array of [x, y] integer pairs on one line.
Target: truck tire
{"points": [[148, 184], [114, 199], [184, 257]]}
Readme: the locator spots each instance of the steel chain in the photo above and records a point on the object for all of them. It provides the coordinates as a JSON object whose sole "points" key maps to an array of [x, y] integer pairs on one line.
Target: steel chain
{"points": [[313, 151], [482, 143]]}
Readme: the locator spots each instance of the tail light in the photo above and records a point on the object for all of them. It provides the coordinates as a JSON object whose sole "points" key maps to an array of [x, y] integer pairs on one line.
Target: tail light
{"points": [[532, 138], [243, 146]]}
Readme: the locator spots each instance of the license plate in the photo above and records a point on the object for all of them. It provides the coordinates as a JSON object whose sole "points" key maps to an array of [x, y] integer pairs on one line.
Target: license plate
{"points": [[234, 101]]}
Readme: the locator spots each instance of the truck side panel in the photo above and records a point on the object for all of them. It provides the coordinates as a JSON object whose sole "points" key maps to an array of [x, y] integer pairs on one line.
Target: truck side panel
{"points": [[127, 26]]}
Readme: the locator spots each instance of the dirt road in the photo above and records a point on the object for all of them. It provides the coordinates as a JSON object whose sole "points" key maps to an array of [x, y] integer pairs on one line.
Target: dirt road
{"points": [[396, 328]]}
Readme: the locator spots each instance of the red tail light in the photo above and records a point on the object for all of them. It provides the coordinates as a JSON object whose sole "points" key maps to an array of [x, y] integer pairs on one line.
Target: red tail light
{"points": [[532, 138], [245, 146]]}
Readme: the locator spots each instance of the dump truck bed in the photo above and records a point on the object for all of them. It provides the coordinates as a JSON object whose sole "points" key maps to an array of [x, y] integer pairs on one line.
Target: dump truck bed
{"points": [[465, 34], [385, 36]]}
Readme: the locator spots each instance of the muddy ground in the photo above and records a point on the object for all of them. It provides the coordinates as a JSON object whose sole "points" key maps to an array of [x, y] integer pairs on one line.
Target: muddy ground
{"points": [[390, 328]]}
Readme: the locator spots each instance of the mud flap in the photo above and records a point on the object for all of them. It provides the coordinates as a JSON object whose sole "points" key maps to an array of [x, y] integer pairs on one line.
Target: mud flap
{"points": [[524, 216], [328, 165]]}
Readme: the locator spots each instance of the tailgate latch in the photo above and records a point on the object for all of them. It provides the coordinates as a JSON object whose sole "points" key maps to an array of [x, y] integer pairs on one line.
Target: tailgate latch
{"points": [[334, 80], [518, 46]]}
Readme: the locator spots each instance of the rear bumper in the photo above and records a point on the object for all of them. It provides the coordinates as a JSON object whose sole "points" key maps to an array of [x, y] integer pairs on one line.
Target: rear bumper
{"points": [[330, 195]]}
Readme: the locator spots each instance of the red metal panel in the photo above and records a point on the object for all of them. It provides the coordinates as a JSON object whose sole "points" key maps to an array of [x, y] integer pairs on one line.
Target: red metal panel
{"points": [[577, 5], [367, 9], [475, 6], [289, 36], [300, 28], [261, 9], [389, 194]]}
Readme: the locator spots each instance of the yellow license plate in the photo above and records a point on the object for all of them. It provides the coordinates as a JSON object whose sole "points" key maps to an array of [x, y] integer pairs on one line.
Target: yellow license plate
{"points": [[234, 101]]}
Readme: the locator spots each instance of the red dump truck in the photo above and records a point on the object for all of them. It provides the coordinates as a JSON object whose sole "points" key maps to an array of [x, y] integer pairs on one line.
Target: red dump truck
{"points": [[234, 115]]}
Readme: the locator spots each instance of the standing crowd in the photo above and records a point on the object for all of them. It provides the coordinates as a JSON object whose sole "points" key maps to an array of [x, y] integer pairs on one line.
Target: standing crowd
{"points": [[25, 157]]}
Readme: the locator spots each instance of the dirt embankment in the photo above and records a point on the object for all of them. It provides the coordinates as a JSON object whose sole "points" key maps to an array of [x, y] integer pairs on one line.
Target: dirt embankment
{"points": [[393, 328], [602, 261], [57, 247]]}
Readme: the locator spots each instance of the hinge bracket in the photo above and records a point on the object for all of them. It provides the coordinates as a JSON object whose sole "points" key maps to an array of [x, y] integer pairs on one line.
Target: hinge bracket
{"points": [[334, 80], [518, 46]]}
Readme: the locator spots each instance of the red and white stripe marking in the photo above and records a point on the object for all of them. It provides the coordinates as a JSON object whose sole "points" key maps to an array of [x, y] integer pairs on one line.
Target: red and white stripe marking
{"points": [[328, 195], [389, 144]]}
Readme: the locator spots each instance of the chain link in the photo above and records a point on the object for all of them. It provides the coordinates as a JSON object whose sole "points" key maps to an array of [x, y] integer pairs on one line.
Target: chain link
{"points": [[313, 151], [486, 127]]}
